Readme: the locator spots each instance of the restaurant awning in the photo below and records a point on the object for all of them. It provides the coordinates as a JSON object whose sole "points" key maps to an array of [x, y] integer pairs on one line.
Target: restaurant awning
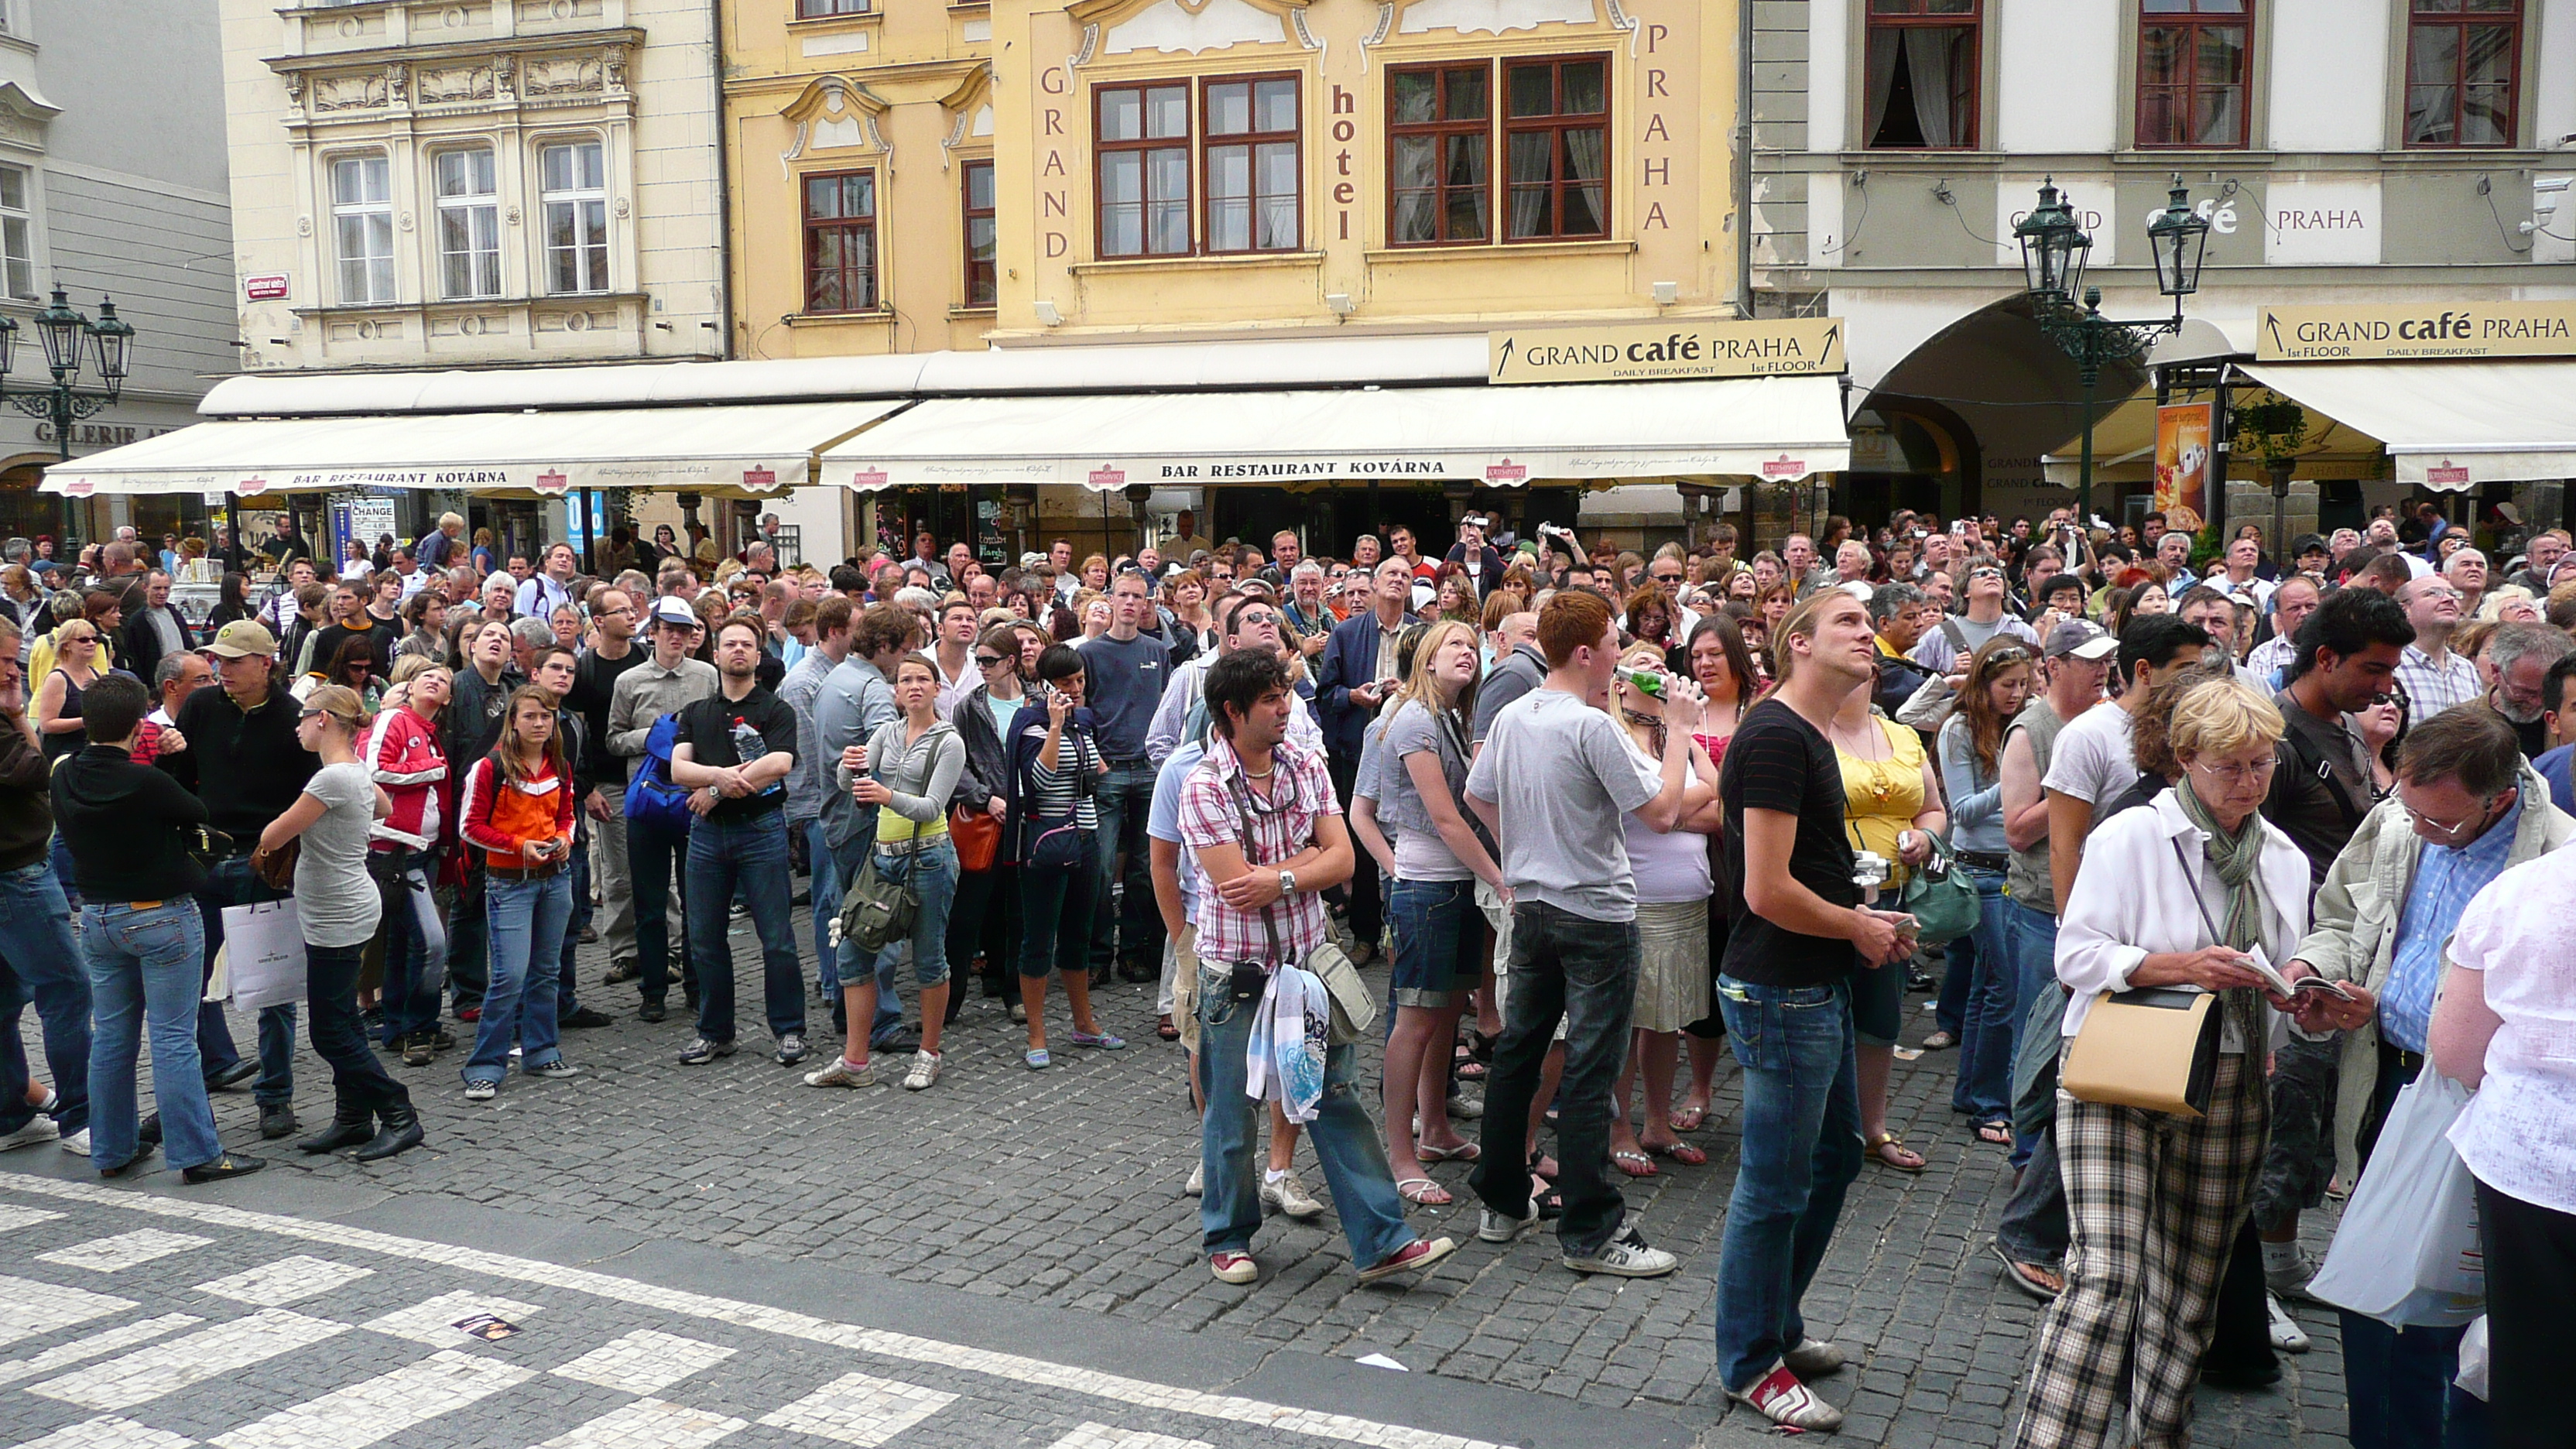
{"points": [[1776, 428], [739, 451], [2448, 424]]}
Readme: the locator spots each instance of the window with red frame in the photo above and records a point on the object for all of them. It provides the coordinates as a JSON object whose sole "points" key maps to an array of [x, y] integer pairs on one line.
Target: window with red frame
{"points": [[1441, 151], [841, 242], [2462, 57], [1919, 82], [983, 287], [2192, 68], [1556, 148]]}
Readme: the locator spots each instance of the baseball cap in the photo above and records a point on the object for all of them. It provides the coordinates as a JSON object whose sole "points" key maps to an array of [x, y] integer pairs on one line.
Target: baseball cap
{"points": [[668, 610], [2082, 638], [2308, 543], [242, 639]]}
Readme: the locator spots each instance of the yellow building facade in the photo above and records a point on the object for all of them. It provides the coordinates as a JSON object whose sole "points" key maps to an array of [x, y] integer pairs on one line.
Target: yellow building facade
{"points": [[917, 178]]}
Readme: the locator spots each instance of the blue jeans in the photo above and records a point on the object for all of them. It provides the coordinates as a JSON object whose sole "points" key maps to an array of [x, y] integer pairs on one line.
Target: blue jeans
{"points": [[931, 868], [1801, 1150], [1134, 932], [849, 963], [1055, 913], [36, 943], [652, 854], [145, 970], [753, 855], [567, 994], [231, 883], [2034, 947], [1984, 1088], [1346, 1142], [825, 886], [526, 918], [414, 974], [1582, 971]]}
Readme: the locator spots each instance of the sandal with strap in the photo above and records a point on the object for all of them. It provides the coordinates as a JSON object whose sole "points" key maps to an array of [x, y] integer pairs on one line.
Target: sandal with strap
{"points": [[1688, 1119], [1635, 1164], [1681, 1152], [1995, 1134], [1463, 1065], [1890, 1151], [1422, 1192]]}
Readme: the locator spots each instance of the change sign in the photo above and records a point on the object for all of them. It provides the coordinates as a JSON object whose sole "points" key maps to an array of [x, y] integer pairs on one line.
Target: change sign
{"points": [[1667, 351]]}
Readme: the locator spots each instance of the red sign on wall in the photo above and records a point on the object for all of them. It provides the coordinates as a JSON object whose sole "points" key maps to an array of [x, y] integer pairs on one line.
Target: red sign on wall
{"points": [[264, 289]]}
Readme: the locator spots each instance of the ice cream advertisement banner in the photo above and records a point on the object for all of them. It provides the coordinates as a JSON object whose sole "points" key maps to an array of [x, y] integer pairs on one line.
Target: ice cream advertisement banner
{"points": [[2182, 465]]}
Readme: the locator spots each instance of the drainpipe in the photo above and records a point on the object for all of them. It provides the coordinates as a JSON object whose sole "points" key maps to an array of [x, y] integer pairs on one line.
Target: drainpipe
{"points": [[724, 181], [1744, 159]]}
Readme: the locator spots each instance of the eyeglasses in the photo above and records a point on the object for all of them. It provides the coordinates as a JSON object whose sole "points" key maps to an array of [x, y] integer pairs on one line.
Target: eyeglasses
{"points": [[1670, 578], [2448, 829], [2239, 774], [2002, 657], [987, 661]]}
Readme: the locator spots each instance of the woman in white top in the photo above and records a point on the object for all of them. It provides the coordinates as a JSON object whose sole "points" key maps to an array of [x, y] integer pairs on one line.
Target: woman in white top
{"points": [[2174, 894]]}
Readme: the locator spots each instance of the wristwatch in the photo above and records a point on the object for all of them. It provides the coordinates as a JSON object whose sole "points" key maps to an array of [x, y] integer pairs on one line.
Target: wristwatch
{"points": [[1287, 882]]}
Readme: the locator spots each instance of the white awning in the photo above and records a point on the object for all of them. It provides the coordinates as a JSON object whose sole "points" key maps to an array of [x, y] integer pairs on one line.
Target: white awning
{"points": [[1779, 428], [724, 450], [2447, 425]]}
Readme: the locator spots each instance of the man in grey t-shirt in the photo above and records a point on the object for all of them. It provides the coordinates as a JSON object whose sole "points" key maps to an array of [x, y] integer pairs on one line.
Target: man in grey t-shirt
{"points": [[1552, 782]]}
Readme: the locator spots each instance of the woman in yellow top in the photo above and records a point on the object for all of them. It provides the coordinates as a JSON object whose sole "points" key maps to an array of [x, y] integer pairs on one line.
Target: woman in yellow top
{"points": [[1892, 807]]}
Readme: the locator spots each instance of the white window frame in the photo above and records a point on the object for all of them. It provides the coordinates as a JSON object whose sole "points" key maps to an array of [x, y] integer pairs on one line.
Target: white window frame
{"points": [[371, 270], [478, 212], [585, 207], [18, 236]]}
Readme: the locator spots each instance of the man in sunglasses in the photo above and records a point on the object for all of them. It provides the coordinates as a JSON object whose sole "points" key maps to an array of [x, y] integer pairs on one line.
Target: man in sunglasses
{"points": [[1945, 649]]}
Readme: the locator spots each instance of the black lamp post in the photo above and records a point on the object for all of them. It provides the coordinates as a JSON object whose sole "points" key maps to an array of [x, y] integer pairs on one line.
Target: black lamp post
{"points": [[2053, 252], [69, 339]]}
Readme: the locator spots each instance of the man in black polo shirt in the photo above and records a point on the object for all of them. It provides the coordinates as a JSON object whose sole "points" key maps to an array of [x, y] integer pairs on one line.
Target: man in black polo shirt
{"points": [[255, 767]]}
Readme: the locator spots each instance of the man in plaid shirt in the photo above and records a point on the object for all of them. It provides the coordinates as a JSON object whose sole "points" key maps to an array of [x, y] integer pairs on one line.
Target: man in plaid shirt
{"points": [[1260, 815]]}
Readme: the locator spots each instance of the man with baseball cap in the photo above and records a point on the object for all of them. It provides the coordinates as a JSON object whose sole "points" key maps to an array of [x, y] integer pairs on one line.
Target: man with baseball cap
{"points": [[661, 685], [245, 731]]}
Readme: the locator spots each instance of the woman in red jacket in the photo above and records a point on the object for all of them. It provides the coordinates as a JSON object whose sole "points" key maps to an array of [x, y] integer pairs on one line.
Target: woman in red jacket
{"points": [[518, 811]]}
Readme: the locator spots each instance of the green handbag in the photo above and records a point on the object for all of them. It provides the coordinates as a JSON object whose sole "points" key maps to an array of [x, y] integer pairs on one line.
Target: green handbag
{"points": [[1940, 897]]}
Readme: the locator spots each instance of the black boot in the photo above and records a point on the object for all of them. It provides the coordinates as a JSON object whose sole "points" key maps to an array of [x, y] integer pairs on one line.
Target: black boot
{"points": [[401, 1134], [349, 1127]]}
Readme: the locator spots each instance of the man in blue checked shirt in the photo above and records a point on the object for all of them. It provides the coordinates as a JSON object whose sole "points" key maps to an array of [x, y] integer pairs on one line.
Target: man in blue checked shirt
{"points": [[2467, 807]]}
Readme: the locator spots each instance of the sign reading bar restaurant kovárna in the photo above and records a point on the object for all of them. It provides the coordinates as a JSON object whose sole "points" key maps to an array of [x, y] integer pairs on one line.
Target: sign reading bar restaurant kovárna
{"points": [[2426, 330], [1662, 351]]}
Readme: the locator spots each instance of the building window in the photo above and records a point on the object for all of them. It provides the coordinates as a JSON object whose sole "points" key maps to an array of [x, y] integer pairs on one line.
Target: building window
{"points": [[469, 224], [1921, 88], [2191, 72], [1251, 164], [841, 242], [824, 9], [1439, 127], [1556, 148], [575, 198], [2461, 59], [1144, 159], [17, 235], [983, 287], [362, 226]]}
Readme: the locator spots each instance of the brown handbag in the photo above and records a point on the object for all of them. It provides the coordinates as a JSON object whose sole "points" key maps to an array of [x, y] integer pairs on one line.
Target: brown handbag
{"points": [[977, 836], [276, 868]]}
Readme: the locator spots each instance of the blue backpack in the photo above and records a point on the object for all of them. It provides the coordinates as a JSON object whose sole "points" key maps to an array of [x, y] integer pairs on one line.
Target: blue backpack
{"points": [[650, 796]]}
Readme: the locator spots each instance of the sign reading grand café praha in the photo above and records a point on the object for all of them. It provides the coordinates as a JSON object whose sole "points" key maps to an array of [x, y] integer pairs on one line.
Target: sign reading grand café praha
{"points": [[1668, 351], [2416, 331]]}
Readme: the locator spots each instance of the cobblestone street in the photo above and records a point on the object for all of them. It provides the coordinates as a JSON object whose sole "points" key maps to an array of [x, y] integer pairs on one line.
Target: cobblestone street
{"points": [[1059, 1191]]}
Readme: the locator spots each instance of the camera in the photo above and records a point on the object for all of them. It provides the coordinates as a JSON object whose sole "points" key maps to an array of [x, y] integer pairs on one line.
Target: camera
{"points": [[1869, 871]]}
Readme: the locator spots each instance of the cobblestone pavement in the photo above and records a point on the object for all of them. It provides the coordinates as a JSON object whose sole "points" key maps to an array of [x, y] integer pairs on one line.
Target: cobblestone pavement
{"points": [[1061, 1190]]}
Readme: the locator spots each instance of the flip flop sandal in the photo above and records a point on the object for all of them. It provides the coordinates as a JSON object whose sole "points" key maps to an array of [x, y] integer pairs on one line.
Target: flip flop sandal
{"points": [[1681, 1152], [1422, 1192], [1635, 1164], [2019, 1274], [1463, 1065], [1995, 1134], [1878, 1151], [1688, 1119]]}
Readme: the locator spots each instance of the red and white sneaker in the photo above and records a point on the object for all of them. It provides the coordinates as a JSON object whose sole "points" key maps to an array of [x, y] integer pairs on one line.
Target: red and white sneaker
{"points": [[1780, 1398], [1413, 1255], [1232, 1267]]}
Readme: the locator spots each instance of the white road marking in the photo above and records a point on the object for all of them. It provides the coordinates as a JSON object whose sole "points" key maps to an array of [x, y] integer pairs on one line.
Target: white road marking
{"points": [[38, 1308], [644, 1362], [785, 1323], [288, 1280], [147, 1374], [125, 1250], [14, 1216], [104, 1342], [1101, 1436], [860, 1410], [434, 1322], [379, 1407], [110, 1432], [647, 1422]]}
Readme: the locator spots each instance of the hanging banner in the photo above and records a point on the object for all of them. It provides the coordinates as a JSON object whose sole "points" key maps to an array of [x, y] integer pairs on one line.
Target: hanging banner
{"points": [[2182, 465], [2425, 330]]}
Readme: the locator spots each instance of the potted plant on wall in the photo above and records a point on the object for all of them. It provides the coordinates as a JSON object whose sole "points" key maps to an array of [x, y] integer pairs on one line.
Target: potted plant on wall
{"points": [[2272, 428]]}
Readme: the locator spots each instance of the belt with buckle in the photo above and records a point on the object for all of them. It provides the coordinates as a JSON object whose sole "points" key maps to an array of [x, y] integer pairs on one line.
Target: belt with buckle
{"points": [[2410, 1062], [530, 872], [1983, 859]]}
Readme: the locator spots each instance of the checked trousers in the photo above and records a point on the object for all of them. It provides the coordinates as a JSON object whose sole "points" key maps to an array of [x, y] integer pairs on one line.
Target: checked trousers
{"points": [[2155, 1202]]}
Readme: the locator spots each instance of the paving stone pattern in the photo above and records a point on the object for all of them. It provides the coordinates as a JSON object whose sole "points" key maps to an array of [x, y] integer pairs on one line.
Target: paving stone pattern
{"points": [[1062, 1188]]}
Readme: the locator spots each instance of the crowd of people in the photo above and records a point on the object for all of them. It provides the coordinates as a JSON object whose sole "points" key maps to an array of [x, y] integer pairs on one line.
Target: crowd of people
{"points": [[1610, 817]]}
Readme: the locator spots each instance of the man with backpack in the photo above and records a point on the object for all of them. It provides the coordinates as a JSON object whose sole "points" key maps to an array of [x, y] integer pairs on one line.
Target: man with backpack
{"points": [[657, 814], [1945, 649]]}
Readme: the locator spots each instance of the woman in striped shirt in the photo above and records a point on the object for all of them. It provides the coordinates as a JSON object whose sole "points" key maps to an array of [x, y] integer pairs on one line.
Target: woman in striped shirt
{"points": [[1056, 763]]}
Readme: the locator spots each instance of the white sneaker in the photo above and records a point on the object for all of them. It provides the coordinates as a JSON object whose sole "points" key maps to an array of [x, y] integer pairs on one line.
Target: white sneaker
{"points": [[925, 1070], [1198, 1180], [39, 1128], [1626, 1256], [2286, 1271], [1290, 1197], [1493, 1227], [839, 1073], [2287, 1336], [479, 1091], [1780, 1398]]}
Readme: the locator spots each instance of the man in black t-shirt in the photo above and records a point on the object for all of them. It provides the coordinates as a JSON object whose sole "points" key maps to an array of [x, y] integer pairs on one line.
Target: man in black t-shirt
{"points": [[733, 753], [1785, 994]]}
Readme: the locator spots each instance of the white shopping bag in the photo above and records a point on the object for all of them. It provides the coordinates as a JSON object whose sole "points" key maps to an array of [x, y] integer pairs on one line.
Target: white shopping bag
{"points": [[2473, 1360], [2408, 1252], [264, 947]]}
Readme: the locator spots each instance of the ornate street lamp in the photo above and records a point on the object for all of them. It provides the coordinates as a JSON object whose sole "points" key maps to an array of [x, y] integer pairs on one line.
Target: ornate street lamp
{"points": [[2053, 251], [69, 339]]}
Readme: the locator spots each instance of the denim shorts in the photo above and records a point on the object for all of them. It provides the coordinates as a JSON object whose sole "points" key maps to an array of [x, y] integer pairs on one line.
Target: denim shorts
{"points": [[1436, 938]]}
